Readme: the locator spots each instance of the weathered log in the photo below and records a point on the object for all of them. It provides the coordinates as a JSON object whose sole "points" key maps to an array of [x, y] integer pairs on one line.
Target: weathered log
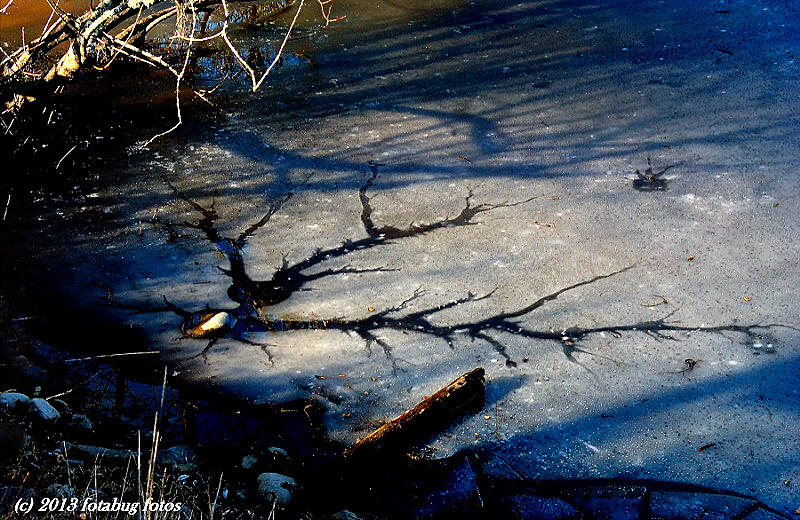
{"points": [[430, 416]]}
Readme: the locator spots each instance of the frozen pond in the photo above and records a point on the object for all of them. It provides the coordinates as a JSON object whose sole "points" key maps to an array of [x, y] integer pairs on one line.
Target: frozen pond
{"points": [[428, 190]]}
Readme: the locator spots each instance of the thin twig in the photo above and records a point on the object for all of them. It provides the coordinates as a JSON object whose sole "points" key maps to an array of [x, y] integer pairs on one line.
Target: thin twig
{"points": [[65, 155], [47, 24], [103, 356], [177, 88], [216, 497]]}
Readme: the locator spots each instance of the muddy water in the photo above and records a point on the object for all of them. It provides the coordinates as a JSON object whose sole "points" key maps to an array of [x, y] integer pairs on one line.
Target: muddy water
{"points": [[25, 19]]}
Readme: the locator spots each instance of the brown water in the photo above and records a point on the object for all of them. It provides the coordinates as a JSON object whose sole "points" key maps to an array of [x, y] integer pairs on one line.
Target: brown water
{"points": [[25, 19]]}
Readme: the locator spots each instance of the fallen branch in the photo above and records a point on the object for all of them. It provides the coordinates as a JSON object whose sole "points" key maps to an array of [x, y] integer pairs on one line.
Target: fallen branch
{"points": [[428, 417]]}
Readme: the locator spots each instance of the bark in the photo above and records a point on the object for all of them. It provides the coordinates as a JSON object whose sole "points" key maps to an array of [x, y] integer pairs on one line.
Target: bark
{"points": [[430, 416]]}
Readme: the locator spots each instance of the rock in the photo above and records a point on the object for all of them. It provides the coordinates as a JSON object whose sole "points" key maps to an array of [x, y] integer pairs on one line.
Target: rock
{"points": [[278, 452], [41, 409], [62, 406], [274, 487], [530, 507], [344, 515], [248, 461], [180, 457], [95, 452], [12, 441], [11, 400], [81, 422], [277, 460]]}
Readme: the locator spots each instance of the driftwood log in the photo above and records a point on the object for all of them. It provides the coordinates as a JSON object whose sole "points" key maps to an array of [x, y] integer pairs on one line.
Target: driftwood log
{"points": [[430, 416]]}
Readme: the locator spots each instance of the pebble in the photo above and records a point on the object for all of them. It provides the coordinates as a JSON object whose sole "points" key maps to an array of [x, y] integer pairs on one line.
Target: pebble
{"points": [[180, 456], [81, 422], [96, 452], [274, 487], [248, 461]]}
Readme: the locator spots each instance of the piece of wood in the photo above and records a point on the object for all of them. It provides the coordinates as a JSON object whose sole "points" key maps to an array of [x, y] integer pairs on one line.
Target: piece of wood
{"points": [[430, 416]]}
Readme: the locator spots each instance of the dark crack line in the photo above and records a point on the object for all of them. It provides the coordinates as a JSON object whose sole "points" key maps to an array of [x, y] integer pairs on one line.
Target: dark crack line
{"points": [[464, 218], [254, 296]]}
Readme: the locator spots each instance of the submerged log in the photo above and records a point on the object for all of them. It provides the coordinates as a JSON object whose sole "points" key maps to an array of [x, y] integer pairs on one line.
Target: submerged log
{"points": [[430, 416]]}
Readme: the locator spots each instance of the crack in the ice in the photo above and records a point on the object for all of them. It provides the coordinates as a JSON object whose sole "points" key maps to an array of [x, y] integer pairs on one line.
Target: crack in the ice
{"points": [[254, 296]]}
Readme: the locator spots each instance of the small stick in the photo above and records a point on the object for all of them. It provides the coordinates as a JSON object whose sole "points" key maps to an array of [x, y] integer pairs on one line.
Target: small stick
{"points": [[426, 418], [65, 156], [102, 356]]}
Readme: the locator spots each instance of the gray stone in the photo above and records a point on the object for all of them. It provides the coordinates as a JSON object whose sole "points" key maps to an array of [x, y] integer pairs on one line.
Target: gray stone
{"points": [[95, 452], [278, 453], [82, 422], [248, 461], [344, 515], [530, 507], [61, 406], [274, 487], [180, 456], [43, 410], [11, 400]]}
